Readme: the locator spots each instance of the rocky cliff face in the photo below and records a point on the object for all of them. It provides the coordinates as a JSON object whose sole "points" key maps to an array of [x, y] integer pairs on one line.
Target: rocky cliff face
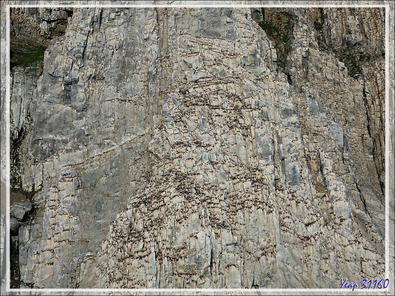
{"points": [[181, 148]]}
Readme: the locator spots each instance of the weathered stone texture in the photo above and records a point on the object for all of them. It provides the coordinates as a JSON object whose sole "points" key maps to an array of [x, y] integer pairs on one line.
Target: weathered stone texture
{"points": [[168, 149], [38, 23]]}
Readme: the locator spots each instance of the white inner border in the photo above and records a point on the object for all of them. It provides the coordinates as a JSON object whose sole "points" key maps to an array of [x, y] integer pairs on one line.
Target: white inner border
{"points": [[190, 291]]}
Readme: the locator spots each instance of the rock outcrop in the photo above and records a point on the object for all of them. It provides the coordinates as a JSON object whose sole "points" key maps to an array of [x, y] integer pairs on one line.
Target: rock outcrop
{"points": [[38, 24], [196, 147]]}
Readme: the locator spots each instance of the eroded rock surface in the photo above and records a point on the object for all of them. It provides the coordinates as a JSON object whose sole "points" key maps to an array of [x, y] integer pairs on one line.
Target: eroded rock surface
{"points": [[39, 23], [171, 148]]}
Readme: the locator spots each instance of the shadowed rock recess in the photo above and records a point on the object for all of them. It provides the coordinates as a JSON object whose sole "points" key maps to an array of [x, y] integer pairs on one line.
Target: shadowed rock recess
{"points": [[197, 148]]}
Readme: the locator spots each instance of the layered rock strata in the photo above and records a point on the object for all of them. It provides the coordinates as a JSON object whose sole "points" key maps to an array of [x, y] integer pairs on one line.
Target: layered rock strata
{"points": [[184, 148]]}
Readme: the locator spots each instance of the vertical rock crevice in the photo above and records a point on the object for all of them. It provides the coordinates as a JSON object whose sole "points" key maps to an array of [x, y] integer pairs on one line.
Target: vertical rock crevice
{"points": [[32, 30], [173, 152], [341, 32]]}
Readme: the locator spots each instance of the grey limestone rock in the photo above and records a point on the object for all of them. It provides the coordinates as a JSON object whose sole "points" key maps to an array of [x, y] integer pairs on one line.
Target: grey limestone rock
{"points": [[14, 225], [19, 210], [184, 148]]}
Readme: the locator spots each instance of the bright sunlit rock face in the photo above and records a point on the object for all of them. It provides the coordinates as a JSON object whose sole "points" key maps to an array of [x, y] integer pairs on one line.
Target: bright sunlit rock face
{"points": [[200, 148]]}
